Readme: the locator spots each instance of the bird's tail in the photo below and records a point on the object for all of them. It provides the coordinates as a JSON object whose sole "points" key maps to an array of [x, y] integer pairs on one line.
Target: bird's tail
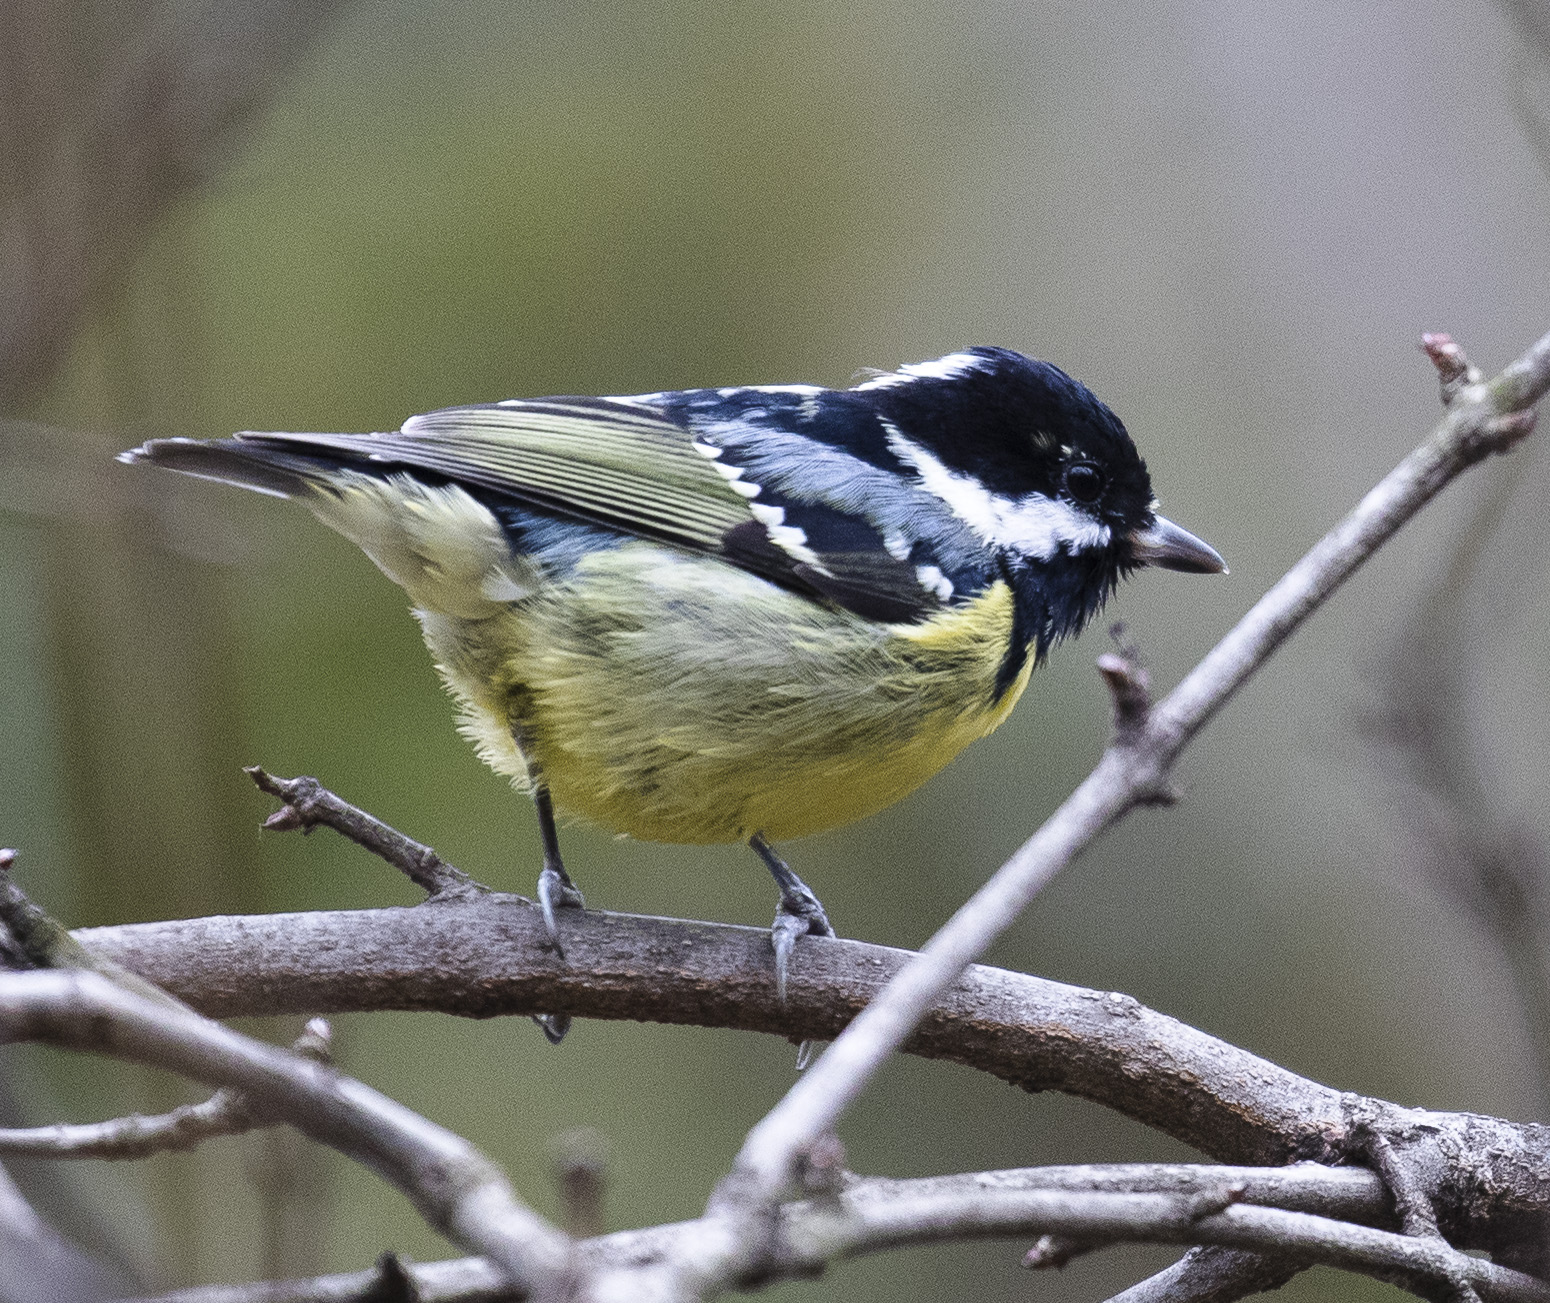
{"points": [[264, 468]]}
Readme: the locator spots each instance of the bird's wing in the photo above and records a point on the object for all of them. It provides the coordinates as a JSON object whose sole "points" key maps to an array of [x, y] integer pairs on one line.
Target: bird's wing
{"points": [[607, 462], [624, 464]]}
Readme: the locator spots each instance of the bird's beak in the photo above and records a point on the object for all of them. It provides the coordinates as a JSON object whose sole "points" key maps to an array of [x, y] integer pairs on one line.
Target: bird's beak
{"points": [[1164, 544]]}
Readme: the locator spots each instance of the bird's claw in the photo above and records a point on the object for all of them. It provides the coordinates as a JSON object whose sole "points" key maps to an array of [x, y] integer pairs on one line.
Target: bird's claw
{"points": [[797, 916], [554, 1025], [556, 891], [784, 933]]}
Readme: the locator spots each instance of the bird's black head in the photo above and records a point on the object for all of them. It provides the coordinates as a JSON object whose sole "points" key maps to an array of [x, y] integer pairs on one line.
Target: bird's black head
{"points": [[1040, 469]]}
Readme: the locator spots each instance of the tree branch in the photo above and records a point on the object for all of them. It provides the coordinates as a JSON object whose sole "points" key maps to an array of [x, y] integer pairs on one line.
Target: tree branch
{"points": [[309, 805], [455, 1188], [225, 1113], [485, 957], [1212, 1274], [1141, 1203]]}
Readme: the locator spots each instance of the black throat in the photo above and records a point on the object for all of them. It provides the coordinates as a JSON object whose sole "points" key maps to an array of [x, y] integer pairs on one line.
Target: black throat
{"points": [[1052, 600]]}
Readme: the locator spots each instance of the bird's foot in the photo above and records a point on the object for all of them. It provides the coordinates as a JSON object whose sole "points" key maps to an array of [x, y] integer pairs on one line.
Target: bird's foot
{"points": [[799, 914], [553, 1025], [557, 891]]}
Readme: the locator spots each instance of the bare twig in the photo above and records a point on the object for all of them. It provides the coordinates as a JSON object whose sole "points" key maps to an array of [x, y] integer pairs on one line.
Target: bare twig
{"points": [[1411, 1181], [309, 805], [1481, 419], [580, 1169], [225, 1113], [455, 1188], [875, 1215], [1055, 1252], [1212, 1274]]}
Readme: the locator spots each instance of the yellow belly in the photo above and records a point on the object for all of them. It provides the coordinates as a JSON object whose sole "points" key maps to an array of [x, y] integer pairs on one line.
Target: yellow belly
{"points": [[680, 699]]}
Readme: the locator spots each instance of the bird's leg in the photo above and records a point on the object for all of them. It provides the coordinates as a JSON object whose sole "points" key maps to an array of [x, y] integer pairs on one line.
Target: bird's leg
{"points": [[798, 914], [555, 888]]}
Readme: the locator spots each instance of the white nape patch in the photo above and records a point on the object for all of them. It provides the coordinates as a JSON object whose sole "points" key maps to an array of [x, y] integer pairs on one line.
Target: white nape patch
{"points": [[896, 545], [952, 367], [788, 538], [934, 581], [1035, 525], [706, 449]]}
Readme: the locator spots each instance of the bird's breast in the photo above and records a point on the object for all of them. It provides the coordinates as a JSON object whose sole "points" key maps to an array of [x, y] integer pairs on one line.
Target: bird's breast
{"points": [[677, 698]]}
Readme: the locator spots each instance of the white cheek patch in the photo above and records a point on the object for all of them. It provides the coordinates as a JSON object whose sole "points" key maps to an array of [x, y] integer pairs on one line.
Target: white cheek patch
{"points": [[951, 367], [1035, 525]]}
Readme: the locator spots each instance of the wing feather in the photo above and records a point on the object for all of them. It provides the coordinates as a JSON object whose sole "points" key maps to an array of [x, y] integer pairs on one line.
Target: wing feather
{"points": [[595, 460], [632, 467]]}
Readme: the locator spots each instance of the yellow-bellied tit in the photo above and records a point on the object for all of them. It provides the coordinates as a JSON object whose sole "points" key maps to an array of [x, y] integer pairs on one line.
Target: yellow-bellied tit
{"points": [[739, 614]]}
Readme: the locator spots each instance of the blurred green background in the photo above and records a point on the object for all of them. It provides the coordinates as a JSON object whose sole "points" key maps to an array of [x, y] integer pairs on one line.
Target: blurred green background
{"points": [[1232, 221]]}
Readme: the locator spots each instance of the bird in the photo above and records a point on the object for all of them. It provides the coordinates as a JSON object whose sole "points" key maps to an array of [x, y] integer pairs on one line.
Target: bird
{"points": [[736, 614]]}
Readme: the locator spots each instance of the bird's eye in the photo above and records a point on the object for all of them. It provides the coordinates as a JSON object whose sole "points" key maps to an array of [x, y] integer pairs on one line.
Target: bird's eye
{"points": [[1084, 482]]}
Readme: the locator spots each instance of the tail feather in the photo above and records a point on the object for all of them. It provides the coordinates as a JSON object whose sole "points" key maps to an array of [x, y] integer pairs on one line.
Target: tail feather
{"points": [[282, 474]]}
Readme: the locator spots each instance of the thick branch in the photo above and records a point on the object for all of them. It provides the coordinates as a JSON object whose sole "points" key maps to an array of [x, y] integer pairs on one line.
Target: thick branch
{"points": [[455, 1188], [486, 956]]}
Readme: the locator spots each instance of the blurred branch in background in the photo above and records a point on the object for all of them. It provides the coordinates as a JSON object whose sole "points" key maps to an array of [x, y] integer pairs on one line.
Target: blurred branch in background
{"points": [[104, 130], [1488, 861], [40, 1265], [1530, 86], [110, 115]]}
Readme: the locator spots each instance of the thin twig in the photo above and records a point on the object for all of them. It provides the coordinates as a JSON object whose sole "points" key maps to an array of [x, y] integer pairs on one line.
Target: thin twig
{"points": [[1481, 419], [1212, 1274], [309, 805], [455, 1188], [225, 1113], [872, 1216], [1402, 1172]]}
